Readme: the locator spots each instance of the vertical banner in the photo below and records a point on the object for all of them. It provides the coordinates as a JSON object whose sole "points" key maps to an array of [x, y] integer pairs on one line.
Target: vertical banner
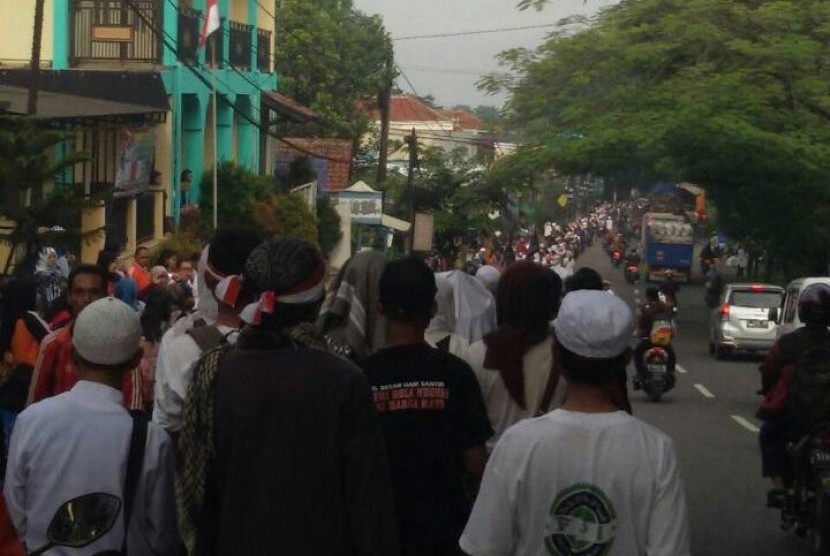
{"points": [[424, 230], [136, 148]]}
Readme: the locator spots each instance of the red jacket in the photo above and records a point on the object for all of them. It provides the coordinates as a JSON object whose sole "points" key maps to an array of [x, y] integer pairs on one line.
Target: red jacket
{"points": [[56, 372]]}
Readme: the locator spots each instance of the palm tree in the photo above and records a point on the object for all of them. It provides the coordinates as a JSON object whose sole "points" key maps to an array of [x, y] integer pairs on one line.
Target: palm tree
{"points": [[27, 163]]}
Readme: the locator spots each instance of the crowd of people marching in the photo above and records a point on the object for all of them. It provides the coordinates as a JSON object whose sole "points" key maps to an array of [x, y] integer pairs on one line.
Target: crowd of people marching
{"points": [[390, 410]]}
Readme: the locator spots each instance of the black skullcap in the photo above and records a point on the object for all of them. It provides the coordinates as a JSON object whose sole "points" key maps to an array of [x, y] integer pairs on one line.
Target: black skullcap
{"points": [[230, 248], [407, 289]]}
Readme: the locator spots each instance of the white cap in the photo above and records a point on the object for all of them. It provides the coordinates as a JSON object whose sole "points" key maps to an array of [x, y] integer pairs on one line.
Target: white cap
{"points": [[107, 332], [594, 324]]}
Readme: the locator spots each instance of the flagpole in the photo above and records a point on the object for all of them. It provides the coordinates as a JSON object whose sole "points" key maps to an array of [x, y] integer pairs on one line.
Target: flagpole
{"points": [[215, 139]]}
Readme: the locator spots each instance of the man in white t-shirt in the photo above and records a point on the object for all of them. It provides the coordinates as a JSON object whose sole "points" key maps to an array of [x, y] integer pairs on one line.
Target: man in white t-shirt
{"points": [[584, 479], [214, 322]]}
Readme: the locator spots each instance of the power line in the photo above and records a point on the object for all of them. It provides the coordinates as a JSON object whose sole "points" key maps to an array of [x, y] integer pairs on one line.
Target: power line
{"points": [[167, 40], [479, 32]]}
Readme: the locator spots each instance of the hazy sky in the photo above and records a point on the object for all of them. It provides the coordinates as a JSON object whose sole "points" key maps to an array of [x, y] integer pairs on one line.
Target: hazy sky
{"points": [[449, 67]]}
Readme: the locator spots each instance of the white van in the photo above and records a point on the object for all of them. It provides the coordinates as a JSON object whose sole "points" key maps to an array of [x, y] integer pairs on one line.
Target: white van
{"points": [[788, 315]]}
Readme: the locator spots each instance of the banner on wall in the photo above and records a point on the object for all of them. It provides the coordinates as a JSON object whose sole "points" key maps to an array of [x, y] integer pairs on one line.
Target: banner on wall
{"points": [[136, 147]]}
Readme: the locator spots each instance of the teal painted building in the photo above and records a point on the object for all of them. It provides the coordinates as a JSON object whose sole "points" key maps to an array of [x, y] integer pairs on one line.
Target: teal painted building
{"points": [[162, 36]]}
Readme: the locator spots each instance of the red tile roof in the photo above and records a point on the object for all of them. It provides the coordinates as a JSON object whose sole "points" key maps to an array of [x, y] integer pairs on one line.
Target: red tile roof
{"points": [[462, 119], [331, 159], [409, 108]]}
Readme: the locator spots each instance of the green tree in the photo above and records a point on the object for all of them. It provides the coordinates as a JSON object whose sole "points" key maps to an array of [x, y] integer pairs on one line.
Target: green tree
{"points": [[28, 166], [455, 190], [332, 57], [329, 233], [249, 200], [732, 95]]}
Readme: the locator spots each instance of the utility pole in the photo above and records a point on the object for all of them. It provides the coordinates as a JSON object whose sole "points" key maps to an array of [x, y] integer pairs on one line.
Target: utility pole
{"points": [[412, 142], [34, 79], [384, 99]]}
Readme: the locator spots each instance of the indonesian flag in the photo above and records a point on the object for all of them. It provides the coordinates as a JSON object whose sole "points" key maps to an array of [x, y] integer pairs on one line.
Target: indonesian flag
{"points": [[211, 21]]}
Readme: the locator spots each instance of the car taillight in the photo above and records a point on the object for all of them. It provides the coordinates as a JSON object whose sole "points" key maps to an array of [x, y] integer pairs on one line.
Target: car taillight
{"points": [[724, 311], [756, 288]]}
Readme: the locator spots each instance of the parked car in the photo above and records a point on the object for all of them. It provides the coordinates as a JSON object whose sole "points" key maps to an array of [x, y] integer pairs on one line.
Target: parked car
{"points": [[787, 318], [742, 319]]}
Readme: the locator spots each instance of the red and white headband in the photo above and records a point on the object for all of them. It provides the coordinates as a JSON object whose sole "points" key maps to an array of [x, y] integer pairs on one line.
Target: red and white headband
{"points": [[307, 291]]}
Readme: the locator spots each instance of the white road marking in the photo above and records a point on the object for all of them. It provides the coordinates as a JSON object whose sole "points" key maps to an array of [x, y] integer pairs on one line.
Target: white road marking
{"points": [[704, 391], [745, 423], [681, 370]]}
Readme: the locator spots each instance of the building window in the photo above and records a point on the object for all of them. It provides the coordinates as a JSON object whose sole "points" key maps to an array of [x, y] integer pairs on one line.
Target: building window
{"points": [[145, 215], [116, 30]]}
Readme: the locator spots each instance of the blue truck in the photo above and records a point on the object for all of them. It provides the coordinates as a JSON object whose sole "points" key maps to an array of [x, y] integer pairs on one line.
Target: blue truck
{"points": [[668, 243]]}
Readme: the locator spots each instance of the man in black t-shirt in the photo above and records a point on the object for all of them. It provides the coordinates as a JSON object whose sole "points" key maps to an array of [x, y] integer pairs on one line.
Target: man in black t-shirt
{"points": [[432, 415]]}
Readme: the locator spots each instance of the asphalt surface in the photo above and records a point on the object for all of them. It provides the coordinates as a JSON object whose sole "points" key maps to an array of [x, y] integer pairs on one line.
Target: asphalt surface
{"points": [[710, 416]]}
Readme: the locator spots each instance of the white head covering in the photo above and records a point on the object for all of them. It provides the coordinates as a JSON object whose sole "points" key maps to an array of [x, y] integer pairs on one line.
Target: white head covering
{"points": [[465, 308], [107, 332], [43, 261], [489, 276], [594, 324], [206, 302]]}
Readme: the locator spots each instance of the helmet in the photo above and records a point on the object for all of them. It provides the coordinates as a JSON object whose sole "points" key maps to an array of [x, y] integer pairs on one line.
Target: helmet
{"points": [[814, 305]]}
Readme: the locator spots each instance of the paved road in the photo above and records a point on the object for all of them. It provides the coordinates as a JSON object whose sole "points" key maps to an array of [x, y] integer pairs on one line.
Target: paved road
{"points": [[719, 455]]}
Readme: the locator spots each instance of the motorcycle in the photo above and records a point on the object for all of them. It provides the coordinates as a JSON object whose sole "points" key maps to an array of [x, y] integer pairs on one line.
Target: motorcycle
{"points": [[659, 378], [806, 506], [632, 272], [616, 257], [659, 372], [82, 521]]}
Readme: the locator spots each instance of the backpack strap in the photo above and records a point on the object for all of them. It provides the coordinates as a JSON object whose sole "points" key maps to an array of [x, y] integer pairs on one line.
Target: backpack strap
{"points": [[206, 337], [550, 387], [35, 325], [135, 464]]}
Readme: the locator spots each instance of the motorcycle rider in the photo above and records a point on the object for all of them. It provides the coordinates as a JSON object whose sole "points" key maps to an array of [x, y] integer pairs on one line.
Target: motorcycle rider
{"points": [[713, 285], [652, 310], [707, 255], [670, 288], [777, 373], [633, 257]]}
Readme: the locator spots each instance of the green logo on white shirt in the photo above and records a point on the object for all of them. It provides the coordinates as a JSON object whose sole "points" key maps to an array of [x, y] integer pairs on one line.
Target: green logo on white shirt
{"points": [[582, 522]]}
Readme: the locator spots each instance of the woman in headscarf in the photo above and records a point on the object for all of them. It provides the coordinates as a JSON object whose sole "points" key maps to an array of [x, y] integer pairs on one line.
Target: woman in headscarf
{"points": [[293, 443], [465, 312], [514, 363], [49, 277], [350, 312], [126, 290], [489, 276]]}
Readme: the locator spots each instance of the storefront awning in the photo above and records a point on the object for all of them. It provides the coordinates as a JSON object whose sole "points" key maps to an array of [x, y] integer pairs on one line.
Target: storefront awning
{"points": [[60, 106], [395, 223], [288, 107], [78, 95]]}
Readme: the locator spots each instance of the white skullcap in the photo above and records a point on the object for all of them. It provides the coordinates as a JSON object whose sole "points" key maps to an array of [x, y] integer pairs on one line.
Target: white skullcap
{"points": [[107, 332], [594, 324]]}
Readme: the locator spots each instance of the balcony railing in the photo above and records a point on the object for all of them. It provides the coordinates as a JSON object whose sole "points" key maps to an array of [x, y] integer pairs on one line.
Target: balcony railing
{"points": [[263, 50], [240, 51], [112, 30], [189, 31], [216, 40]]}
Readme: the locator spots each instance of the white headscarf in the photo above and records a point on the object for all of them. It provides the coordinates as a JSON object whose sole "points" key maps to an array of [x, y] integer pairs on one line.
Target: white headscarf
{"points": [[489, 276], [465, 308], [206, 302]]}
